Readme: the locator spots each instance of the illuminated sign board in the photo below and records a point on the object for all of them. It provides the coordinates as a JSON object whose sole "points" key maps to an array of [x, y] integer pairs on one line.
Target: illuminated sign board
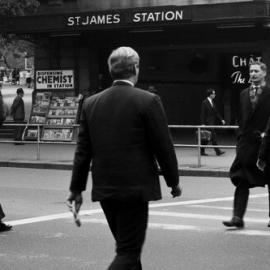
{"points": [[138, 16], [54, 79], [239, 70]]}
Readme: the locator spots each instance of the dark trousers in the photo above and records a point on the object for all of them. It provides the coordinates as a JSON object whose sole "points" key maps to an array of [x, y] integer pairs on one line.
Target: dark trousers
{"points": [[241, 200], [128, 223], [213, 141], [18, 130], [2, 214]]}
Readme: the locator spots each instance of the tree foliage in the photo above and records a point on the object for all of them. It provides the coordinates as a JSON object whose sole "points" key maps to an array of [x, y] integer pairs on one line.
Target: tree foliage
{"points": [[18, 7], [13, 49]]}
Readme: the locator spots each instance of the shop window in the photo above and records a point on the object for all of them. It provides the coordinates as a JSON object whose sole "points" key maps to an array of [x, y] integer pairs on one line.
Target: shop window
{"points": [[198, 63], [178, 65]]}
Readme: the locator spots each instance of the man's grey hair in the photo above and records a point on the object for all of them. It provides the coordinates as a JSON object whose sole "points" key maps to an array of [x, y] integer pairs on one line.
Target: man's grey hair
{"points": [[122, 63]]}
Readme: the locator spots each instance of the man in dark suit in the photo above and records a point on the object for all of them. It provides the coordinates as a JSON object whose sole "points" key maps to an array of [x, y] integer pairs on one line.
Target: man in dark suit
{"points": [[263, 162], [254, 114], [18, 113], [209, 114], [123, 132]]}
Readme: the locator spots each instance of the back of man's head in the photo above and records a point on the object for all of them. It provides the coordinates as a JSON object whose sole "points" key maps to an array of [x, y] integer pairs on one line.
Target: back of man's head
{"points": [[123, 62], [20, 91]]}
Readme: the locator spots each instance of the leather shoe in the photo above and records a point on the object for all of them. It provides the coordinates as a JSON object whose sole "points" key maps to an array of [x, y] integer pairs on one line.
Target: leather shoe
{"points": [[234, 222], [4, 227], [204, 154], [268, 225], [220, 153]]}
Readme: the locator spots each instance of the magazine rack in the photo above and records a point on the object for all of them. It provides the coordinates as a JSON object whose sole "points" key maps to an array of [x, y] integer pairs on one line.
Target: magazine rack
{"points": [[60, 119], [57, 115]]}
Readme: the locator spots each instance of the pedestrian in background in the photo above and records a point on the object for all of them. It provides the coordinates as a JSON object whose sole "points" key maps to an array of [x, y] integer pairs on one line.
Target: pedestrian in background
{"points": [[123, 132], [18, 113], [209, 115], [4, 111], [3, 227], [28, 79], [254, 113]]}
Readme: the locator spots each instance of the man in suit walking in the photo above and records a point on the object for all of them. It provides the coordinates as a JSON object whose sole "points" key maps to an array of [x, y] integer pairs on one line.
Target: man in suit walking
{"points": [[254, 114], [209, 114], [123, 132]]}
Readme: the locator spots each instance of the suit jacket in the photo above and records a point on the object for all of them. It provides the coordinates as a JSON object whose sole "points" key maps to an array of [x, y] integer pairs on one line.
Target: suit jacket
{"points": [[209, 113], [252, 123], [17, 108], [123, 132]]}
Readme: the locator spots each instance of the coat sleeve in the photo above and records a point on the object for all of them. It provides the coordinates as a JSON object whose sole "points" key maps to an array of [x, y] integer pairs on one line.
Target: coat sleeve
{"points": [[14, 106], [218, 115], [161, 142], [203, 113], [82, 157]]}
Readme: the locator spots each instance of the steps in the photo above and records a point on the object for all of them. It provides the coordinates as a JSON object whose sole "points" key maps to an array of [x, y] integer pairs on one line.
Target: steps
{"points": [[7, 132]]}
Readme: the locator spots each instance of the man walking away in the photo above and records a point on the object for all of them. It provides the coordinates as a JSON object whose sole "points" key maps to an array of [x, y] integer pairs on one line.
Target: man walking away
{"points": [[123, 132]]}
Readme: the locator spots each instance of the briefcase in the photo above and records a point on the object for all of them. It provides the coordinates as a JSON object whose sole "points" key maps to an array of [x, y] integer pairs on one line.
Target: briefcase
{"points": [[205, 136]]}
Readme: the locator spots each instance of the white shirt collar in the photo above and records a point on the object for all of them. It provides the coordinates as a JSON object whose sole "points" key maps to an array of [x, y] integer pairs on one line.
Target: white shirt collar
{"points": [[126, 81], [210, 100]]}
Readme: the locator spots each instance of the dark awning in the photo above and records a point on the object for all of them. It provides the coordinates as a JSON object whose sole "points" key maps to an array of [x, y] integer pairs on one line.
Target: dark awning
{"points": [[240, 14]]}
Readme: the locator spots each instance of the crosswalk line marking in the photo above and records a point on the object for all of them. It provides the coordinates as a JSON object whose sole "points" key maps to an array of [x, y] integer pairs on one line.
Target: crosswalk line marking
{"points": [[152, 205], [52, 217], [222, 199], [202, 216], [164, 226], [252, 232], [180, 227], [225, 208]]}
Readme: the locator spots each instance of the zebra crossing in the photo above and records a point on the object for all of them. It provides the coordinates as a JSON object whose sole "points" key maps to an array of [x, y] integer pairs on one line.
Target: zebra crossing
{"points": [[198, 216]]}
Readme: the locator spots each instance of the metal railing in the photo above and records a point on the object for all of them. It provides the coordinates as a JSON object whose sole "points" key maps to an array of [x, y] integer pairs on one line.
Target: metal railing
{"points": [[198, 145], [38, 141]]}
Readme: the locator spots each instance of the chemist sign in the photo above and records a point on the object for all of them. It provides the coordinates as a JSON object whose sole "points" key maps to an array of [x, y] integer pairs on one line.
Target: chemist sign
{"points": [[54, 79]]}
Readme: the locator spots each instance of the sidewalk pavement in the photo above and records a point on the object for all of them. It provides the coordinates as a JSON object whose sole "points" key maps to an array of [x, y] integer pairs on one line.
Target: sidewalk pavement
{"points": [[54, 156]]}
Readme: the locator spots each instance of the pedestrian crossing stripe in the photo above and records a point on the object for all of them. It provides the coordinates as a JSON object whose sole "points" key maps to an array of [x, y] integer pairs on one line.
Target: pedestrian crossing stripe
{"points": [[180, 227], [152, 225], [226, 208], [86, 213], [200, 201], [202, 216]]}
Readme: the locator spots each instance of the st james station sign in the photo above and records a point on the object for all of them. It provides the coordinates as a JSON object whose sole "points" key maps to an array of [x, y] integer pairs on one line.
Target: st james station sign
{"points": [[161, 15]]}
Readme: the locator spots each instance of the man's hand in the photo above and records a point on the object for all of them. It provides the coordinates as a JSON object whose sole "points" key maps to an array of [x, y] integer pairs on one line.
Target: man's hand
{"points": [[261, 165], [77, 198], [223, 122], [176, 191]]}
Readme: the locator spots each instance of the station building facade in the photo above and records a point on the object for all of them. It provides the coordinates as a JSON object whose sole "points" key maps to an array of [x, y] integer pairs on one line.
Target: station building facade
{"points": [[185, 46]]}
